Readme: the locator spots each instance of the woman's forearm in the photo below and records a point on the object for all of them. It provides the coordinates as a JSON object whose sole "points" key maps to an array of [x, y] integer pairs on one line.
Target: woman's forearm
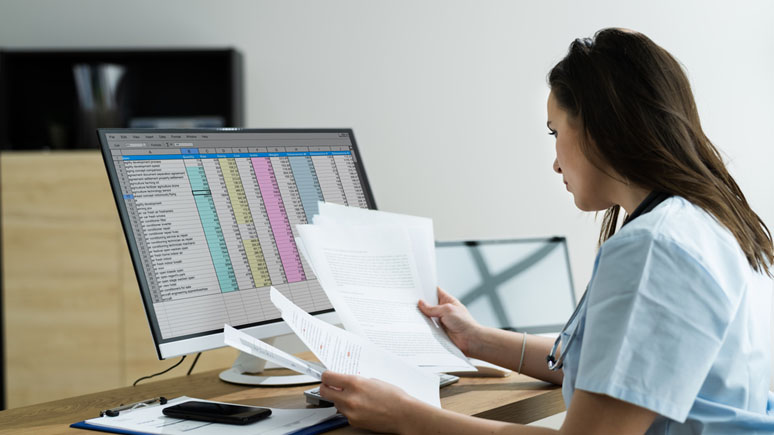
{"points": [[504, 349]]}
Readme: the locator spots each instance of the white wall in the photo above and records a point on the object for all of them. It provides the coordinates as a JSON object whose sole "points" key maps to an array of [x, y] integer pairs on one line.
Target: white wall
{"points": [[447, 98]]}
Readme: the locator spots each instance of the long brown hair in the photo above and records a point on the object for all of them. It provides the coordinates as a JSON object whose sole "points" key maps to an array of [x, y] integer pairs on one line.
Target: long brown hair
{"points": [[638, 116]]}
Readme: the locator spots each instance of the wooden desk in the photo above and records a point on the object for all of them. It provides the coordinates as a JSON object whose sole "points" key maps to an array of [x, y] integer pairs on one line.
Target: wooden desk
{"points": [[516, 398]]}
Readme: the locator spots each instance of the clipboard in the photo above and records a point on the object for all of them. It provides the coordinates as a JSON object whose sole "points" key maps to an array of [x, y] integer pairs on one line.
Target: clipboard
{"points": [[84, 425], [322, 427], [149, 420]]}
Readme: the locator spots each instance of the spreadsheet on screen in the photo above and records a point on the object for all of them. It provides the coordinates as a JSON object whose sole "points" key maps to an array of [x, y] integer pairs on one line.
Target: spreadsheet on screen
{"points": [[212, 217]]}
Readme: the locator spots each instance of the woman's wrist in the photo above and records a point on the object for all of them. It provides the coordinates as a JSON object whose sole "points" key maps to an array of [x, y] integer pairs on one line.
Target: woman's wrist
{"points": [[477, 342], [412, 411]]}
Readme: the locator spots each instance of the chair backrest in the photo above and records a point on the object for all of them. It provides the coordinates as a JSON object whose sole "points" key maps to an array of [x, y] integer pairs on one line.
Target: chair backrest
{"points": [[520, 284]]}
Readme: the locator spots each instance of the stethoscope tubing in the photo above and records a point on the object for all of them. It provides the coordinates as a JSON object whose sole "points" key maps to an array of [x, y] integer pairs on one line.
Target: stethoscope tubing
{"points": [[556, 363]]}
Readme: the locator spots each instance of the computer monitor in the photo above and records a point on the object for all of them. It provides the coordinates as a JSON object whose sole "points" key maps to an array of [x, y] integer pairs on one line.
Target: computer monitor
{"points": [[516, 284], [209, 217]]}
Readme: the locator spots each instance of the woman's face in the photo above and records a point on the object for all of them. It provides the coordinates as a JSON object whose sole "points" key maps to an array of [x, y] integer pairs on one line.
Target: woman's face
{"points": [[591, 188]]}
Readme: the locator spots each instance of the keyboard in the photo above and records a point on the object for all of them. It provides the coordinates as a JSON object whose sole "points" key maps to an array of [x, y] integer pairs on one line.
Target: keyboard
{"points": [[313, 395]]}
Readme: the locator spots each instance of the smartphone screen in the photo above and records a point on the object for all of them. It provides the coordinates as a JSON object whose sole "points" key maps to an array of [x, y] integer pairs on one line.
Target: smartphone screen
{"points": [[217, 412]]}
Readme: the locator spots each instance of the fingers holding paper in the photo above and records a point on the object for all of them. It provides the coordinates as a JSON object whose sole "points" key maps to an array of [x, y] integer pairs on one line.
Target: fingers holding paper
{"points": [[455, 318], [368, 403]]}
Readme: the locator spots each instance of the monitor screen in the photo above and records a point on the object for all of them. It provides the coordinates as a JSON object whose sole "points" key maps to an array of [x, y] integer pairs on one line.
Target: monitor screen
{"points": [[210, 215], [517, 284]]}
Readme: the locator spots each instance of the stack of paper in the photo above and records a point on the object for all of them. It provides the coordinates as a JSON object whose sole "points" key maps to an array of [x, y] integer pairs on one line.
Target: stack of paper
{"points": [[338, 350], [374, 267]]}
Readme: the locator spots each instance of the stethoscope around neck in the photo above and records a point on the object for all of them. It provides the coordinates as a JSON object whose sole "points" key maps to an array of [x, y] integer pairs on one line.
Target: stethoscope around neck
{"points": [[650, 202], [554, 362]]}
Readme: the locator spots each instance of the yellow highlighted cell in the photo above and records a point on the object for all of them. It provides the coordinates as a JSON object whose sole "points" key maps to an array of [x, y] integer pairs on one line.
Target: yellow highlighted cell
{"points": [[236, 191], [257, 262]]}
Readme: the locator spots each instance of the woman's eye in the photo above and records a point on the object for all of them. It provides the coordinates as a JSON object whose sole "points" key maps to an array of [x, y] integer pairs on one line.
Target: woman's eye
{"points": [[552, 133]]}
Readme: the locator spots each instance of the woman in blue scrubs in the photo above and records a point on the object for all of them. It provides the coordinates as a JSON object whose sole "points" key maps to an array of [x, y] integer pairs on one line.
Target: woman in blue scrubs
{"points": [[672, 334]]}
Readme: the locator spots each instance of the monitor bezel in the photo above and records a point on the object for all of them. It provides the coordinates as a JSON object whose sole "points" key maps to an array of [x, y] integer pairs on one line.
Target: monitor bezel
{"points": [[168, 348]]}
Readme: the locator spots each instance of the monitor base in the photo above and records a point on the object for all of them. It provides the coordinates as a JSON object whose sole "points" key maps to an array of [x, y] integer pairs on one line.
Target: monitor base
{"points": [[235, 377], [247, 368]]}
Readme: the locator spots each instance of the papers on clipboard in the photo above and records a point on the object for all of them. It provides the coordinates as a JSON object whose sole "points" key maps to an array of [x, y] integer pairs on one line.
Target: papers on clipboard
{"points": [[150, 420]]}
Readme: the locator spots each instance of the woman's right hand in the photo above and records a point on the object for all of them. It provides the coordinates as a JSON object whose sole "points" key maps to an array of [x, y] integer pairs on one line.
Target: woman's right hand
{"points": [[455, 318]]}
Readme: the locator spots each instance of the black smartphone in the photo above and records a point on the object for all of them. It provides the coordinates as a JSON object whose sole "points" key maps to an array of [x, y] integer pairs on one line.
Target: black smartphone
{"points": [[217, 412]]}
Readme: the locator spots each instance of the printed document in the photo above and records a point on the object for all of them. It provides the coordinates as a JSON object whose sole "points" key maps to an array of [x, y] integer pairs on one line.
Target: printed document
{"points": [[374, 267], [420, 233], [256, 347], [345, 352], [338, 350]]}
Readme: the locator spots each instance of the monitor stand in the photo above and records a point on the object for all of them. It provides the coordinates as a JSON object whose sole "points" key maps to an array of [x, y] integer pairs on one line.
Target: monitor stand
{"points": [[247, 370]]}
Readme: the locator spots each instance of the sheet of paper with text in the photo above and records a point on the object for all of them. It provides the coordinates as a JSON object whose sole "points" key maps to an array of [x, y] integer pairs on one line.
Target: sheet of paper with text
{"points": [[371, 275], [345, 352], [420, 233], [249, 344]]}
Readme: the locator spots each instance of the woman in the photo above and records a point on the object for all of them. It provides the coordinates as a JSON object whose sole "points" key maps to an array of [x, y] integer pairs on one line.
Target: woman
{"points": [[672, 334]]}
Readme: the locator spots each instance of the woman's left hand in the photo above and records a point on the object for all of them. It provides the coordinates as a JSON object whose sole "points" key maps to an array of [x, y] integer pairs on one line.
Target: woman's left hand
{"points": [[367, 403]]}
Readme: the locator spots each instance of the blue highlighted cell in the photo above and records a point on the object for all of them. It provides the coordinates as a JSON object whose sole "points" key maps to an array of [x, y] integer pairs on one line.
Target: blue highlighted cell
{"points": [[213, 232], [308, 185], [233, 155]]}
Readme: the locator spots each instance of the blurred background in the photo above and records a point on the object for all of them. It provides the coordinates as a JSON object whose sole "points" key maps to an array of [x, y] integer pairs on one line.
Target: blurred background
{"points": [[446, 98]]}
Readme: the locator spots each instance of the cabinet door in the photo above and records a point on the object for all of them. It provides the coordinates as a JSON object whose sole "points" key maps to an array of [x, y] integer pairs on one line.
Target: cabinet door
{"points": [[61, 268], [74, 321]]}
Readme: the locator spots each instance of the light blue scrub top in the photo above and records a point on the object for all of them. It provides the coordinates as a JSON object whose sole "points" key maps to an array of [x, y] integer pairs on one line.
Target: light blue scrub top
{"points": [[677, 322]]}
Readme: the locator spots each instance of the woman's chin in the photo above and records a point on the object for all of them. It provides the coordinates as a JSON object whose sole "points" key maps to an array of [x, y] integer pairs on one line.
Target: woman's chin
{"points": [[587, 206]]}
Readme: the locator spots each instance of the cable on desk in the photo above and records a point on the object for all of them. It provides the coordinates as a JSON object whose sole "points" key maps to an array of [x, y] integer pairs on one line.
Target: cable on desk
{"points": [[159, 373], [193, 364]]}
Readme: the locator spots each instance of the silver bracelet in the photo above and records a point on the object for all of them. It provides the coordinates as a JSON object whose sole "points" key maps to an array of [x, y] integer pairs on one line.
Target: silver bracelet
{"points": [[523, 347]]}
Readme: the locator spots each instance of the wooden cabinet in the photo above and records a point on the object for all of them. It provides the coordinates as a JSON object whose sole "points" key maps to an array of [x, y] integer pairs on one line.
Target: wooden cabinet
{"points": [[74, 321]]}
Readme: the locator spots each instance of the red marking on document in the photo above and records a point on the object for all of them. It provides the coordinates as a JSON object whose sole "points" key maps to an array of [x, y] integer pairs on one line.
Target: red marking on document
{"points": [[347, 354]]}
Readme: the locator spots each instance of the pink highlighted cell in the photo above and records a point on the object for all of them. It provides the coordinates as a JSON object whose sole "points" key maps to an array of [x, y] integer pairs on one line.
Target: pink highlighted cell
{"points": [[278, 219]]}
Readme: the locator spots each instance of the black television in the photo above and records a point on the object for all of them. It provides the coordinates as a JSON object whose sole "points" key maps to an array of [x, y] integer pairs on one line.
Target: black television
{"points": [[56, 99]]}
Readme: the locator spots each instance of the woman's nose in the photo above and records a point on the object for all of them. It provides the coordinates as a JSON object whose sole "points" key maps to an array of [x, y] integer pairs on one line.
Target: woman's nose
{"points": [[557, 169]]}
